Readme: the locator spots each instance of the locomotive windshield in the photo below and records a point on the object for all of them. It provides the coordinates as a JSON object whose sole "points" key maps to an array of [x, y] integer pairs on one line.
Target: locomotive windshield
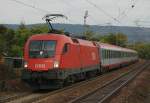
{"points": [[42, 48]]}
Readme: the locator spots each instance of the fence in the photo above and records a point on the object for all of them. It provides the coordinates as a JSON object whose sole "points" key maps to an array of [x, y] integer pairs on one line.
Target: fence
{"points": [[13, 62]]}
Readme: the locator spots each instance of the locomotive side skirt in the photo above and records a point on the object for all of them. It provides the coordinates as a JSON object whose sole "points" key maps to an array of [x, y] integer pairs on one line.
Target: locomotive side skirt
{"points": [[52, 78]]}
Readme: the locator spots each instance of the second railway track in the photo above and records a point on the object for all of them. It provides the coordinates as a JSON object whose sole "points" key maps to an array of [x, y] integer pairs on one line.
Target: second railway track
{"points": [[104, 94]]}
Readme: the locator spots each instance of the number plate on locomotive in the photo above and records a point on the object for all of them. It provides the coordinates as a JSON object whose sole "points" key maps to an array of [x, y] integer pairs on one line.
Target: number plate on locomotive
{"points": [[39, 65]]}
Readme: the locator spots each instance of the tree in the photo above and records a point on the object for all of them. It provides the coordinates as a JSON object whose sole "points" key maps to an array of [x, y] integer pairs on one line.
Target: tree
{"points": [[3, 30], [7, 38], [39, 29], [143, 49], [89, 34], [121, 39], [110, 38], [22, 34], [115, 39], [96, 37]]}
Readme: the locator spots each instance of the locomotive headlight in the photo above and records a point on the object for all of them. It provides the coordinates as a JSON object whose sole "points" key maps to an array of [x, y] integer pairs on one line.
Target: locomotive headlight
{"points": [[56, 64], [25, 64]]}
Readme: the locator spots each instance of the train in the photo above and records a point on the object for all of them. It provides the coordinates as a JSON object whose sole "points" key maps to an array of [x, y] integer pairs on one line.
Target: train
{"points": [[53, 61]]}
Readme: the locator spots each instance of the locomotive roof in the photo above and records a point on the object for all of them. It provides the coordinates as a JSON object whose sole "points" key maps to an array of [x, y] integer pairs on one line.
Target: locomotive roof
{"points": [[59, 36], [49, 37]]}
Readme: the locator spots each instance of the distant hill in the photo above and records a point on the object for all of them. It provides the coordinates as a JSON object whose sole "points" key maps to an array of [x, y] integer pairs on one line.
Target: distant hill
{"points": [[133, 33]]}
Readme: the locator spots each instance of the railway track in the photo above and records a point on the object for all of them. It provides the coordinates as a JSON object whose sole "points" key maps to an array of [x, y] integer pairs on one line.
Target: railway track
{"points": [[38, 97], [105, 93]]}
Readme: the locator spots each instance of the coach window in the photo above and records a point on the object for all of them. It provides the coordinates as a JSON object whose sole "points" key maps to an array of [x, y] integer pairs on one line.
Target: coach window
{"points": [[111, 52], [120, 53], [115, 54], [105, 54], [102, 53], [108, 54]]}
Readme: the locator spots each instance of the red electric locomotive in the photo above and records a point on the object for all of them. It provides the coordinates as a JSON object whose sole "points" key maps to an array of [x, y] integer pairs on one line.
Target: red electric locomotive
{"points": [[52, 60]]}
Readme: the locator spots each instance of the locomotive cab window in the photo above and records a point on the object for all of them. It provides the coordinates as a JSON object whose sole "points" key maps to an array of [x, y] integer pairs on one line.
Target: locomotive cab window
{"points": [[65, 48], [42, 48]]}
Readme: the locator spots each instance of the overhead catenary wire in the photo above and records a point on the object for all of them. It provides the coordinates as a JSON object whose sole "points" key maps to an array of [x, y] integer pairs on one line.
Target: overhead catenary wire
{"points": [[71, 5], [31, 6], [102, 10], [77, 7], [34, 7], [118, 19], [128, 9], [46, 11]]}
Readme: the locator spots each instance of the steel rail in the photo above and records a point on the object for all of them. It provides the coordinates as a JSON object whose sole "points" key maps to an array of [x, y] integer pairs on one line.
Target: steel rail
{"points": [[13, 97], [107, 93], [109, 96]]}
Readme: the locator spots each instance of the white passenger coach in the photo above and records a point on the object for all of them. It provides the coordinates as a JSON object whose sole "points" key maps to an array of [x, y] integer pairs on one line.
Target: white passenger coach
{"points": [[114, 56]]}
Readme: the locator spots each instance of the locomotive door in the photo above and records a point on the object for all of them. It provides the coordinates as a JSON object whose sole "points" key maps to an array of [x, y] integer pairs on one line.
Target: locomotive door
{"points": [[79, 56]]}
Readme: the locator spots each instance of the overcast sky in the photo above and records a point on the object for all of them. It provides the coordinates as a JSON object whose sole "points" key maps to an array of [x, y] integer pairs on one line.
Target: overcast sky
{"points": [[101, 12]]}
